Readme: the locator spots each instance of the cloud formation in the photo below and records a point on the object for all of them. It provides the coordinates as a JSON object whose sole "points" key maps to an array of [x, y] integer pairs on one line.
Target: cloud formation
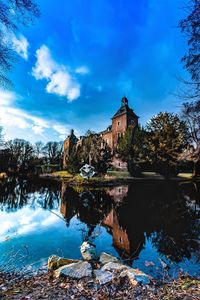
{"points": [[60, 80], [21, 45], [18, 121]]}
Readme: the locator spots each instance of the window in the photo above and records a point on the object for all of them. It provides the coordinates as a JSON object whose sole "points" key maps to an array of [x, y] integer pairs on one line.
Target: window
{"points": [[119, 164], [118, 123], [119, 134]]}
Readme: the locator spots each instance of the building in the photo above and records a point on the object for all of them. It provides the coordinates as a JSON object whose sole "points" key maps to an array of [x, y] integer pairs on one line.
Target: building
{"points": [[122, 119]]}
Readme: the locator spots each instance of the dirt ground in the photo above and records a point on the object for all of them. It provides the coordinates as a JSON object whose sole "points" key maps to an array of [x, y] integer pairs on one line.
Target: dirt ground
{"points": [[45, 286]]}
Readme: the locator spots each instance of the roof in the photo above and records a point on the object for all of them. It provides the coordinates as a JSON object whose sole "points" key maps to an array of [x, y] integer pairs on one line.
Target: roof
{"points": [[125, 109], [108, 130]]}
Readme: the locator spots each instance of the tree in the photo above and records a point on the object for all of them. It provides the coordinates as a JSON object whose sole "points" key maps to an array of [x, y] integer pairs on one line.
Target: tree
{"points": [[95, 151], [38, 149], [131, 148], [12, 14], [1, 135], [167, 137], [21, 153], [191, 115], [190, 26], [53, 152], [74, 160]]}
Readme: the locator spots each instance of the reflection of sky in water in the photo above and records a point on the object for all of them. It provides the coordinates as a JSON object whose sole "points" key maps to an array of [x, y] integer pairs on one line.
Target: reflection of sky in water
{"points": [[30, 234]]}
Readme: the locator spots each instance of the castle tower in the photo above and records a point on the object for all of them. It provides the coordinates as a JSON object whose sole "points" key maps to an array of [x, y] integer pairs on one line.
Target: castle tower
{"points": [[69, 143], [124, 117]]}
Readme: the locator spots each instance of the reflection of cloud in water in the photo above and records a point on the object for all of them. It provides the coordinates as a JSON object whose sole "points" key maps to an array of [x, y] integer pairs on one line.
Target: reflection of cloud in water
{"points": [[24, 221]]}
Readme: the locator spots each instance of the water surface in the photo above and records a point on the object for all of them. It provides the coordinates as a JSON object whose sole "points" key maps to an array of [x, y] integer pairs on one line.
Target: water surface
{"points": [[151, 226]]}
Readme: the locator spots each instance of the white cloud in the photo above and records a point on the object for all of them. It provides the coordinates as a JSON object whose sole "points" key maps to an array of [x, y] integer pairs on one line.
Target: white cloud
{"points": [[82, 70], [25, 221], [45, 66], [15, 120], [60, 80], [20, 45]]}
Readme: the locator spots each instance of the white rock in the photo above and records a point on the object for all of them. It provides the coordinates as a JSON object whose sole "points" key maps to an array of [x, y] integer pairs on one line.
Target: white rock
{"points": [[113, 266], [103, 276], [76, 270], [106, 258], [136, 276], [88, 251]]}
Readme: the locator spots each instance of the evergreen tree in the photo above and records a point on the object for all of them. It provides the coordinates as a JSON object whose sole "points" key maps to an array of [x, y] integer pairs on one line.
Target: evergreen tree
{"points": [[167, 137], [131, 148]]}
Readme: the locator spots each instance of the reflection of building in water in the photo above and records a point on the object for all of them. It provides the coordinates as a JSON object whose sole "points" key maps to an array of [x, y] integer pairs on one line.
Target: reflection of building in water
{"points": [[94, 207], [118, 193], [120, 236]]}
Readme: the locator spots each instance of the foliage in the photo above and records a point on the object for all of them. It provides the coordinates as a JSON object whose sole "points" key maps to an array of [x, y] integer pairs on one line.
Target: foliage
{"points": [[167, 137], [131, 148], [1, 135], [74, 160], [12, 14], [21, 153], [191, 115], [190, 26], [53, 152], [93, 151]]}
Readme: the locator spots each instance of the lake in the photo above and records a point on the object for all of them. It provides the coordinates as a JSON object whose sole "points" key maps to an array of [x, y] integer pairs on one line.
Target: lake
{"points": [[153, 226]]}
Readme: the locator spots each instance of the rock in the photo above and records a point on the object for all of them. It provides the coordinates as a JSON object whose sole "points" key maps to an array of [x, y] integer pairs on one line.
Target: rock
{"points": [[76, 270], [88, 251], [103, 276], [136, 276], [113, 266], [106, 258], [55, 262]]}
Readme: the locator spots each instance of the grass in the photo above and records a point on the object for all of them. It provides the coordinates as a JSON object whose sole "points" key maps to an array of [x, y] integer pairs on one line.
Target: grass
{"points": [[62, 174], [185, 175], [118, 174]]}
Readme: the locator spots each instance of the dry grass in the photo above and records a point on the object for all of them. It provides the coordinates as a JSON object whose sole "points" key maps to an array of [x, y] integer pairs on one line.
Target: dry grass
{"points": [[45, 286], [185, 175]]}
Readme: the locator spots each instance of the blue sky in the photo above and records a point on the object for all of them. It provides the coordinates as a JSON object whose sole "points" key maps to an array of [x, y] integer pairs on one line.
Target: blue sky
{"points": [[82, 56]]}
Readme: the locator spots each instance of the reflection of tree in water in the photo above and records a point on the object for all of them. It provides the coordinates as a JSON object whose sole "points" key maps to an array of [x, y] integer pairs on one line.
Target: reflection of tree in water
{"points": [[160, 211], [16, 193], [90, 206]]}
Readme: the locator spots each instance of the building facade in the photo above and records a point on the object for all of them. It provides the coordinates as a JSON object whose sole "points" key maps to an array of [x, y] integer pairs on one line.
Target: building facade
{"points": [[122, 119]]}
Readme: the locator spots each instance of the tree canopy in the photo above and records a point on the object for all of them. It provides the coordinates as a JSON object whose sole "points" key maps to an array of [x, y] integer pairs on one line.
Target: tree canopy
{"points": [[13, 13], [131, 148], [191, 116], [190, 26], [167, 137]]}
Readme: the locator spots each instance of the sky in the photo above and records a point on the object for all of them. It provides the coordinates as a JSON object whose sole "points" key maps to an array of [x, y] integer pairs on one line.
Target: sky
{"points": [[79, 59]]}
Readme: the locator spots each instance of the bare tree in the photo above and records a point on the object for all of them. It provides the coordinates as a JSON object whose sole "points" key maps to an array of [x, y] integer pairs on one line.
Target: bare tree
{"points": [[191, 115], [190, 27], [53, 152], [12, 14]]}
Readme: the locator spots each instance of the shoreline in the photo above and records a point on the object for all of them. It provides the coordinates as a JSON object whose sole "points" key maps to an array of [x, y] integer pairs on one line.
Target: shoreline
{"points": [[111, 182], [45, 286]]}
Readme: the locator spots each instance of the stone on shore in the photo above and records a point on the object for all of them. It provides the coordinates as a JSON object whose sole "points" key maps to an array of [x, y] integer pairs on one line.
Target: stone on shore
{"points": [[114, 266], [88, 251], [106, 258], [75, 270], [136, 276], [103, 276], [55, 262]]}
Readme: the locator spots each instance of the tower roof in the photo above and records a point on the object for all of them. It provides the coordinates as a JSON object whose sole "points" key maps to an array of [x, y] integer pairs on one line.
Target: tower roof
{"points": [[125, 109]]}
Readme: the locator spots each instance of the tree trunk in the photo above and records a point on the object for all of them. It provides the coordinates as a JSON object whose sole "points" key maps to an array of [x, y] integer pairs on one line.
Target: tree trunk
{"points": [[196, 169]]}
